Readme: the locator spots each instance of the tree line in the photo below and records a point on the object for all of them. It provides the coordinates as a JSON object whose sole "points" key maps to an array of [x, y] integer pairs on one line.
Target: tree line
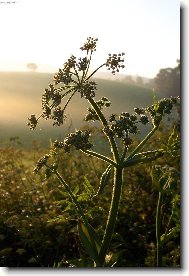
{"points": [[167, 81]]}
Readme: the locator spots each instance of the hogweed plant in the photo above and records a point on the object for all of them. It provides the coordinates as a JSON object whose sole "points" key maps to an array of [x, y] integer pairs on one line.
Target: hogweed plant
{"points": [[74, 78]]}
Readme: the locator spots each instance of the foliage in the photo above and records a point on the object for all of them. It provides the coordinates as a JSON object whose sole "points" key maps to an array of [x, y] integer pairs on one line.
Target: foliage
{"points": [[167, 80], [39, 225]]}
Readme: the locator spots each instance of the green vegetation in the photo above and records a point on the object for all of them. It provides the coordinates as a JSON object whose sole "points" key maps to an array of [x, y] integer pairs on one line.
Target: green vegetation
{"points": [[88, 207], [38, 222], [168, 80]]}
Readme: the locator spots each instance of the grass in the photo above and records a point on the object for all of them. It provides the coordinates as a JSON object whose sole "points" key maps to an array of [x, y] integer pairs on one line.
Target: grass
{"points": [[41, 211]]}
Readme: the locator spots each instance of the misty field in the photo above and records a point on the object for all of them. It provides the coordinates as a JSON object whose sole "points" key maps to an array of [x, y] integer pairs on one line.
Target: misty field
{"points": [[49, 222], [20, 94]]}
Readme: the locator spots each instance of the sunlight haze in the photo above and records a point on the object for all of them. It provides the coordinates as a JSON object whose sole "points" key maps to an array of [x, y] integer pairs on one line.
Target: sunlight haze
{"points": [[48, 32]]}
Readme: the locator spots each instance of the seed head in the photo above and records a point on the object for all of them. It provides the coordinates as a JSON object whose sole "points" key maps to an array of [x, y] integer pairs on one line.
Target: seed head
{"points": [[87, 90], [79, 140], [90, 45], [32, 122], [115, 62], [58, 116], [41, 163]]}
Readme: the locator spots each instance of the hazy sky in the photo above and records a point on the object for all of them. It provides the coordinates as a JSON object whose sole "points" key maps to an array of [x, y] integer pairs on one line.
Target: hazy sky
{"points": [[47, 32]]}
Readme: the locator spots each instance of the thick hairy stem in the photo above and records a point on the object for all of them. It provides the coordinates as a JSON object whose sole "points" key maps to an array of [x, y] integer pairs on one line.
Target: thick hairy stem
{"points": [[158, 233], [112, 214], [105, 124], [124, 153], [100, 156], [143, 157], [142, 143]]}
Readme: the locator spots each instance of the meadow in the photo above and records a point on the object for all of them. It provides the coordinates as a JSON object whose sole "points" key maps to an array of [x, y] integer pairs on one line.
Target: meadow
{"points": [[38, 225], [45, 222]]}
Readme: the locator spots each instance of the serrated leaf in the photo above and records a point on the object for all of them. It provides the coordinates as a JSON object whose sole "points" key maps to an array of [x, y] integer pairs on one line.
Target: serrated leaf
{"points": [[68, 207], [64, 193], [57, 219], [63, 201], [76, 190], [88, 187], [83, 197]]}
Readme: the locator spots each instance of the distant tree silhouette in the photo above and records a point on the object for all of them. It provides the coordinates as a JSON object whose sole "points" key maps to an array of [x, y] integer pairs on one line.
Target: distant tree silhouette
{"points": [[32, 66], [129, 79], [139, 81], [167, 80]]}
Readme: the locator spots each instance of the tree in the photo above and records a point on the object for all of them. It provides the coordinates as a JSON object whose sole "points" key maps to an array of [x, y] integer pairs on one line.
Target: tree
{"points": [[139, 81], [129, 79], [167, 80], [32, 66]]}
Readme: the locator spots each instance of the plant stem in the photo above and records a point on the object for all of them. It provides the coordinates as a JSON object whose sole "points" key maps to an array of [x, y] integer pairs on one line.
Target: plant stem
{"points": [[124, 153], [142, 158], [78, 207], [86, 71], [142, 143], [95, 71], [112, 214], [158, 234], [100, 156], [105, 124], [68, 100]]}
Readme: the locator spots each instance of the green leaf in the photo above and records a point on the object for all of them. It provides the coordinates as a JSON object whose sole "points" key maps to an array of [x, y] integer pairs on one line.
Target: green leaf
{"points": [[83, 197], [58, 219], [104, 179], [68, 207], [172, 232], [21, 251], [76, 190], [89, 239], [5, 252], [88, 187]]}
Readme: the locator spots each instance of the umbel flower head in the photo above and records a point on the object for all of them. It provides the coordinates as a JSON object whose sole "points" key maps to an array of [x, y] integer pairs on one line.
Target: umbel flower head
{"points": [[41, 163], [90, 45], [115, 62], [72, 78], [32, 121], [161, 108], [79, 140]]}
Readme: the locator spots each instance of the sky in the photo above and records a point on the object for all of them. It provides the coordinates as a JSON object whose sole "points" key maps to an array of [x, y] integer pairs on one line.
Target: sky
{"points": [[47, 32]]}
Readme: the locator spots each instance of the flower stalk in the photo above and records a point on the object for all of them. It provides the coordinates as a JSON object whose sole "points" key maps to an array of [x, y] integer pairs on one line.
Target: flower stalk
{"points": [[116, 194], [121, 127], [158, 232]]}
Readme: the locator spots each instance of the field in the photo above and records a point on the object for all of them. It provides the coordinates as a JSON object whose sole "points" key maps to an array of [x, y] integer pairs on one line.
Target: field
{"points": [[40, 225], [21, 92]]}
